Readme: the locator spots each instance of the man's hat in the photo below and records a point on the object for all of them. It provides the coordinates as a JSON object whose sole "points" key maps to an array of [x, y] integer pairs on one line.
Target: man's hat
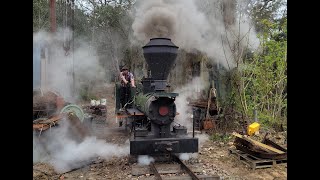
{"points": [[124, 68]]}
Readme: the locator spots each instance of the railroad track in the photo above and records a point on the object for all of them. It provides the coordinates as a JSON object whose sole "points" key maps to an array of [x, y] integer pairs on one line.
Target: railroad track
{"points": [[171, 170]]}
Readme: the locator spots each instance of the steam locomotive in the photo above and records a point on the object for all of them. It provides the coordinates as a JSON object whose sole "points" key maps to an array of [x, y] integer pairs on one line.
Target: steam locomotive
{"points": [[150, 110]]}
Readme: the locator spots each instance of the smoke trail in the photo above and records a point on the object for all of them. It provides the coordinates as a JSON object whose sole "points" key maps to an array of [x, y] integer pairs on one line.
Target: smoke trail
{"points": [[65, 72], [204, 25], [58, 147], [64, 153]]}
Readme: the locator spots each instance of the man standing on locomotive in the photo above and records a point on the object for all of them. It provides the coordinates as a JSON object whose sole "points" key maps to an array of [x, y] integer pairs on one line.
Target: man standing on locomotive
{"points": [[127, 79]]}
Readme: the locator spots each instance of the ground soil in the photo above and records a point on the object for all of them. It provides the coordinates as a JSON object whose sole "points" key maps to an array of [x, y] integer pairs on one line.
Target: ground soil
{"points": [[213, 156]]}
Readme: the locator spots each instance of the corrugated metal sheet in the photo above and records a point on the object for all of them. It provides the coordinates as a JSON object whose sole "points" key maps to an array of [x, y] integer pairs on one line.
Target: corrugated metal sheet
{"points": [[36, 65]]}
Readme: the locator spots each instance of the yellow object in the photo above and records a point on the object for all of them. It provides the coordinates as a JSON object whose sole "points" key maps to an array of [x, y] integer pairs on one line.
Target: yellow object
{"points": [[253, 128]]}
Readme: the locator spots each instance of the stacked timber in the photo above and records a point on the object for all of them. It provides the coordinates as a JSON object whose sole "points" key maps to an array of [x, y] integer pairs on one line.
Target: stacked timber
{"points": [[265, 149]]}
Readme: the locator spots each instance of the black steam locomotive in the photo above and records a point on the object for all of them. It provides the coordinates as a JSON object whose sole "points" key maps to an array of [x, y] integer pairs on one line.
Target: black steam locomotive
{"points": [[150, 110]]}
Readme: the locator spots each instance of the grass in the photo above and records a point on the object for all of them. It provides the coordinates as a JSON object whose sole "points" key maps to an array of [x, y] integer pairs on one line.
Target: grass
{"points": [[220, 137]]}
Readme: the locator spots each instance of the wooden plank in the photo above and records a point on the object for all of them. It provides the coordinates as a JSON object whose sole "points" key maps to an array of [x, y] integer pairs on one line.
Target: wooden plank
{"points": [[40, 127], [155, 171], [186, 168], [45, 124], [45, 121], [257, 143], [122, 116], [168, 168], [162, 169], [183, 177], [195, 168], [140, 170]]}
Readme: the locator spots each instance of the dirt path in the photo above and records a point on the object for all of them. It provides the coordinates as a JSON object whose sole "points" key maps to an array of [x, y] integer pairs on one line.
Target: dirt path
{"points": [[213, 157]]}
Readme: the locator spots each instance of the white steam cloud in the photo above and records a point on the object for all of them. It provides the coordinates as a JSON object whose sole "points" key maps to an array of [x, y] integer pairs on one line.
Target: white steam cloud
{"points": [[191, 90], [65, 72], [145, 160], [187, 156], [64, 153], [195, 25], [202, 138], [184, 156]]}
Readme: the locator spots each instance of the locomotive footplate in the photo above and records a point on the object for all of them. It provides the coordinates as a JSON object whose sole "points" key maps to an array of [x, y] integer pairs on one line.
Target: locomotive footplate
{"points": [[134, 111], [165, 145]]}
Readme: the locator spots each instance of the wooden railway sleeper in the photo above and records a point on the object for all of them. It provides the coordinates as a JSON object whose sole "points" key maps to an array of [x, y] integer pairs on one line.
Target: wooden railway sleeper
{"points": [[155, 171], [185, 167]]}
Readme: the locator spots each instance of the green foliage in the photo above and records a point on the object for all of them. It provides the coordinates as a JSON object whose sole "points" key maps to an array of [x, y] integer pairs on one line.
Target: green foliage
{"points": [[82, 26], [220, 137], [40, 15], [85, 93], [266, 10], [264, 76], [259, 82]]}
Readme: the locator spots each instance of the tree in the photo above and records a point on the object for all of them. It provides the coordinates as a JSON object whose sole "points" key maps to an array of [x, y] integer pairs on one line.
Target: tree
{"points": [[265, 75], [40, 15], [266, 9], [258, 82]]}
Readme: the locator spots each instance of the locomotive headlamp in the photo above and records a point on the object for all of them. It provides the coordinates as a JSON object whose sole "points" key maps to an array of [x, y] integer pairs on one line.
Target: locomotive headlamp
{"points": [[163, 110]]}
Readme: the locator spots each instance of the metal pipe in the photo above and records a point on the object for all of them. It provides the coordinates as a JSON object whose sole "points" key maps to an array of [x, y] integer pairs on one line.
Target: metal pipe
{"points": [[193, 127], [53, 15], [134, 124], [72, 28]]}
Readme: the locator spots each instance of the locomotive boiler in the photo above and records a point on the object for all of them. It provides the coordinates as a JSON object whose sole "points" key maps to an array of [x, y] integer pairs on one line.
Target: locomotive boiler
{"points": [[151, 110]]}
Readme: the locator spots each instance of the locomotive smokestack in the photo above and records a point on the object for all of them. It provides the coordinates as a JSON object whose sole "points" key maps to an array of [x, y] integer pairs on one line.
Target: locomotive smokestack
{"points": [[160, 53]]}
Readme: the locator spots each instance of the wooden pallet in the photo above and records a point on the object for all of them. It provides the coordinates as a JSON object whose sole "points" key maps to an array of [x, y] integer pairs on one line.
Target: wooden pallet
{"points": [[255, 162]]}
